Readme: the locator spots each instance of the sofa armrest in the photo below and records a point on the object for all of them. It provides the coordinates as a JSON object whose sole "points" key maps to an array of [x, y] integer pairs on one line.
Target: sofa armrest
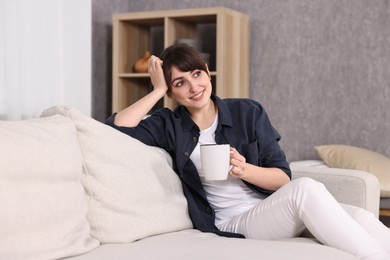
{"points": [[352, 187]]}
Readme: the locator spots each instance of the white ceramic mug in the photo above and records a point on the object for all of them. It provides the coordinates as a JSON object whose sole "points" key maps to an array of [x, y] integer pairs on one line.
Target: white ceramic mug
{"points": [[215, 160]]}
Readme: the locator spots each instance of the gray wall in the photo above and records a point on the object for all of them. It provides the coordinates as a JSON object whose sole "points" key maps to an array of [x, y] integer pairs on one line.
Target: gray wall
{"points": [[320, 67]]}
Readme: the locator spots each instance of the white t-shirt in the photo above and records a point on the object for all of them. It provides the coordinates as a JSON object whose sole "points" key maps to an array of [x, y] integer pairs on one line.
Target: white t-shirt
{"points": [[230, 197]]}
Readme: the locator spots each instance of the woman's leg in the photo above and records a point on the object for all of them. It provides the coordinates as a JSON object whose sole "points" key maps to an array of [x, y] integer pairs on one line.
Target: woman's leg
{"points": [[305, 202], [371, 224]]}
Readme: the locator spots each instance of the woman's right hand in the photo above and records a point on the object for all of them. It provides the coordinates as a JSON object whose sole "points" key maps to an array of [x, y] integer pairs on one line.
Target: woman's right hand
{"points": [[156, 74], [132, 115]]}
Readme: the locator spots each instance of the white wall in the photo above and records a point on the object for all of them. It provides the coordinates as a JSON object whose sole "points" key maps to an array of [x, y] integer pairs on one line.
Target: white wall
{"points": [[45, 56]]}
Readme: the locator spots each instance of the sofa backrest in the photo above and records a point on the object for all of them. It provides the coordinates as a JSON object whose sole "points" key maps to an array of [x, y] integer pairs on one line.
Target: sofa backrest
{"points": [[131, 189], [69, 183]]}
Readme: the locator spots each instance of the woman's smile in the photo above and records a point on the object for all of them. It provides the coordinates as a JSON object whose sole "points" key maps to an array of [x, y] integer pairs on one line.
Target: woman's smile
{"points": [[198, 96]]}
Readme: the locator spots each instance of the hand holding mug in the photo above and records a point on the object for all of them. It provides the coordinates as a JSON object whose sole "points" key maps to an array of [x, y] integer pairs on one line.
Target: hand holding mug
{"points": [[238, 163]]}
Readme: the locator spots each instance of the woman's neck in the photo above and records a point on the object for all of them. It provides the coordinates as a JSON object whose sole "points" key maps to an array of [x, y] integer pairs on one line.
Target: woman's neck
{"points": [[204, 117]]}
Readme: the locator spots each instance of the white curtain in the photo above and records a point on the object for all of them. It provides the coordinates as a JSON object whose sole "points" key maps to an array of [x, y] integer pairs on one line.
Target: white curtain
{"points": [[45, 56]]}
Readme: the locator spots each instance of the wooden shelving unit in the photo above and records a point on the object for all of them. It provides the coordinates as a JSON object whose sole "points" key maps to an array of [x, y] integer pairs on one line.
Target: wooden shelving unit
{"points": [[223, 34]]}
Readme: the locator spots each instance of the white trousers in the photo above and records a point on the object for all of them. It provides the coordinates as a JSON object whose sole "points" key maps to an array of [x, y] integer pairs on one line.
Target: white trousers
{"points": [[305, 203]]}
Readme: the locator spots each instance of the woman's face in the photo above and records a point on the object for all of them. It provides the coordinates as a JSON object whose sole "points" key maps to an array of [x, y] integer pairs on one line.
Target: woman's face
{"points": [[191, 89]]}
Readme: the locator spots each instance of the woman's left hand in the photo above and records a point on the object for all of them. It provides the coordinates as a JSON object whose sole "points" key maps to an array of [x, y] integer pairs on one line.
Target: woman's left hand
{"points": [[238, 163], [266, 178]]}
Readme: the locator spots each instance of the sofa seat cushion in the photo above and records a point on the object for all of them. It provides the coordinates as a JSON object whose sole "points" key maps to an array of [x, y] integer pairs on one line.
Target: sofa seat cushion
{"points": [[42, 204], [194, 245], [131, 188]]}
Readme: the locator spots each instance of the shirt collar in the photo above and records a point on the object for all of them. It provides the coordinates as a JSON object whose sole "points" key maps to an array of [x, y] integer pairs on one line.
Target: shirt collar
{"points": [[223, 114], [225, 118]]}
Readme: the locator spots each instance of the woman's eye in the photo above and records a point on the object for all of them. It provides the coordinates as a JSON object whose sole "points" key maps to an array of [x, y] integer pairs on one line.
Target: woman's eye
{"points": [[179, 84], [197, 74]]}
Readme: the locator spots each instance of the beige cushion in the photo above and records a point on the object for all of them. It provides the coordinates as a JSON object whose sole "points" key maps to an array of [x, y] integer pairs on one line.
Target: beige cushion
{"points": [[350, 157], [42, 203], [132, 190]]}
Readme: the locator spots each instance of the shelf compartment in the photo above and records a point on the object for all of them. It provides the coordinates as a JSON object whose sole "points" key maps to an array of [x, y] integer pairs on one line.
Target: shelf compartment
{"points": [[134, 38]]}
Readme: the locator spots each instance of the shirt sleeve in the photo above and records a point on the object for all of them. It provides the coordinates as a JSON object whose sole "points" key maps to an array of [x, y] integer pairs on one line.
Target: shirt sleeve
{"points": [[155, 130], [269, 152]]}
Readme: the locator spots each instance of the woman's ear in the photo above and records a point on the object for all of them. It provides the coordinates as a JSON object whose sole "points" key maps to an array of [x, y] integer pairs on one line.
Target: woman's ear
{"points": [[208, 71]]}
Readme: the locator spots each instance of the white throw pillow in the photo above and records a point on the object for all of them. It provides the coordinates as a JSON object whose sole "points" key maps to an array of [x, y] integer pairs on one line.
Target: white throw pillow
{"points": [[42, 204], [132, 190]]}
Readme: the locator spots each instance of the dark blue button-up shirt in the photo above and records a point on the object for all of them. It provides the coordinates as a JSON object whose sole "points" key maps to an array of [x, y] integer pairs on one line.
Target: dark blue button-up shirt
{"points": [[243, 123]]}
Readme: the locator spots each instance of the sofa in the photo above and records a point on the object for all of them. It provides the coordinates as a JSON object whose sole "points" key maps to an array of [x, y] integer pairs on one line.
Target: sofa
{"points": [[72, 187]]}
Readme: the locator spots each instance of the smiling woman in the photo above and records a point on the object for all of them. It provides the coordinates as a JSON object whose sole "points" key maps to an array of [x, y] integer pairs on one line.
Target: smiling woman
{"points": [[45, 54], [274, 207]]}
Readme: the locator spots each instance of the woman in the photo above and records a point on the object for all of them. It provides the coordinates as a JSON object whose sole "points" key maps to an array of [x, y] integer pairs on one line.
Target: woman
{"points": [[258, 200]]}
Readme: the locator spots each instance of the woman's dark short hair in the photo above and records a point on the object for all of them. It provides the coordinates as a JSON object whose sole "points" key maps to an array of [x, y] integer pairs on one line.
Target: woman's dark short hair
{"points": [[184, 57]]}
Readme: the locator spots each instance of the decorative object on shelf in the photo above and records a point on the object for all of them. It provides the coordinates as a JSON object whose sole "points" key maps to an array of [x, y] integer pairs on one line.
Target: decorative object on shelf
{"points": [[141, 65]]}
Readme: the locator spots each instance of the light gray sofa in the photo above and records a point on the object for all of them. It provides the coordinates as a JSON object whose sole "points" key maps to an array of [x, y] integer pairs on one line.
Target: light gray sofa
{"points": [[72, 187]]}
